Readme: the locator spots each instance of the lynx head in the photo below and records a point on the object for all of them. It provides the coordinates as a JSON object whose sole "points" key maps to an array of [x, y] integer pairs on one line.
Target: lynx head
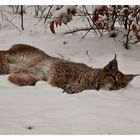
{"points": [[111, 78]]}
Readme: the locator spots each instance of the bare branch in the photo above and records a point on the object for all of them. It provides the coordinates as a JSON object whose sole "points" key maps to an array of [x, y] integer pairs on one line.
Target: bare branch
{"points": [[80, 29], [5, 18], [21, 17], [48, 14]]}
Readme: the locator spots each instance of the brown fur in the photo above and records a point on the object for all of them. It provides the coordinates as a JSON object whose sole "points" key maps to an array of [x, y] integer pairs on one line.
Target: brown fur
{"points": [[22, 79], [4, 68], [27, 65]]}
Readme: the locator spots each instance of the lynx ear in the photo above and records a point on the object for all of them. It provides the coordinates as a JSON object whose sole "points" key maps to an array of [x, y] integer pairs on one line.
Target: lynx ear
{"points": [[130, 77], [112, 65]]}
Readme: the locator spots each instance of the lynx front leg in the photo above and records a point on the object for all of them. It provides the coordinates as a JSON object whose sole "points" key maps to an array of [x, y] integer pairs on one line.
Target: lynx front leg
{"points": [[73, 88], [22, 79], [59, 81]]}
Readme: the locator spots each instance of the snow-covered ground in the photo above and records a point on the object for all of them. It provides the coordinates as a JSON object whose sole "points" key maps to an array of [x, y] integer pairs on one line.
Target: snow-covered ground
{"points": [[43, 109]]}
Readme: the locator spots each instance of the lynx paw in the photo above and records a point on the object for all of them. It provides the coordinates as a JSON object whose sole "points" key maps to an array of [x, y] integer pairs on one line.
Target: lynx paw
{"points": [[71, 90], [22, 79]]}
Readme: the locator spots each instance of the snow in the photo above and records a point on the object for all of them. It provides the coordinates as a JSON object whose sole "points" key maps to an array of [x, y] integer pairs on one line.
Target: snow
{"points": [[63, 11], [43, 109], [62, 15]]}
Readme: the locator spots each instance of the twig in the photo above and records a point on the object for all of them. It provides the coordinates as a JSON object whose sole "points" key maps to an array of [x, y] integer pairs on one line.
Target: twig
{"points": [[22, 17], [77, 30], [6, 18], [85, 34], [134, 35], [114, 17], [42, 12], [68, 28], [13, 24], [80, 29], [13, 18], [91, 20], [2, 15], [48, 14]]}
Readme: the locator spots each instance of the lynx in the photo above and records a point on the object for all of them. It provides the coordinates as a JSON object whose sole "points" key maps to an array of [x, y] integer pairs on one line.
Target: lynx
{"points": [[26, 65]]}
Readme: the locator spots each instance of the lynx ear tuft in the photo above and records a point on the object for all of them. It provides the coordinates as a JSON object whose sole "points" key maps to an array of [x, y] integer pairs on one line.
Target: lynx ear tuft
{"points": [[115, 58]]}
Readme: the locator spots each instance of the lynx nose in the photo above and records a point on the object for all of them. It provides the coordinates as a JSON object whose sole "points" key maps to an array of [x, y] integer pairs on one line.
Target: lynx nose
{"points": [[97, 87]]}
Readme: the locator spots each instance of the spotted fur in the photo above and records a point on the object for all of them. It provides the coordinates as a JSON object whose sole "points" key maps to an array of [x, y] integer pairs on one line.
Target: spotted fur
{"points": [[27, 65]]}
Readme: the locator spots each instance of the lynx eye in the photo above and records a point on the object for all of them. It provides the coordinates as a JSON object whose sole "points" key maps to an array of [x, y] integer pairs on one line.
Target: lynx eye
{"points": [[114, 78], [123, 84]]}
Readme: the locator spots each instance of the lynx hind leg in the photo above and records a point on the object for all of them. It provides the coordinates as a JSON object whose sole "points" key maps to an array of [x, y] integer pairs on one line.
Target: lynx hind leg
{"points": [[4, 66], [22, 79]]}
